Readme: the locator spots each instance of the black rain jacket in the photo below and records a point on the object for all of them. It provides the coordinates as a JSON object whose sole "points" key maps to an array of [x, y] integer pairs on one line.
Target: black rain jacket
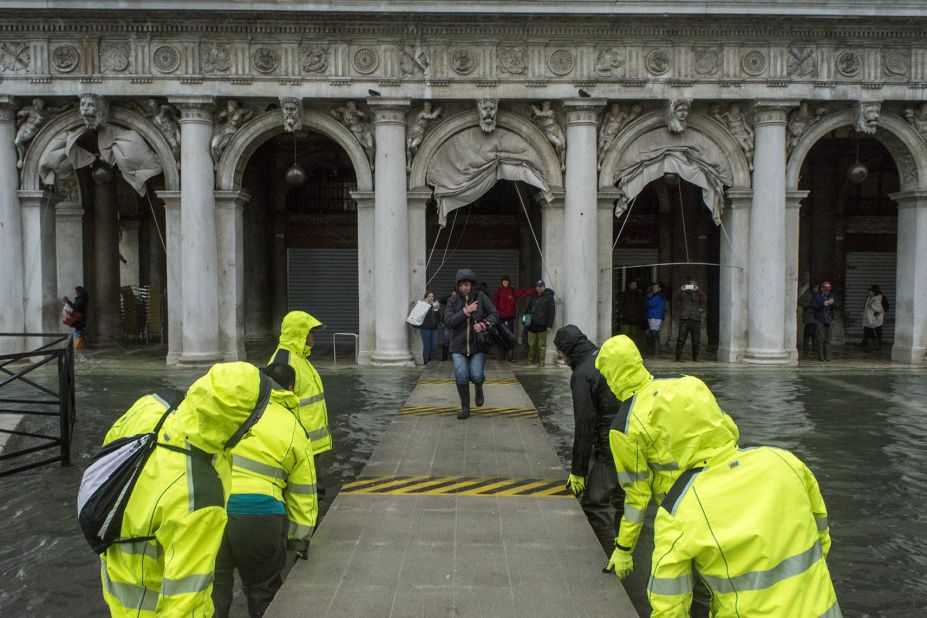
{"points": [[463, 337]]}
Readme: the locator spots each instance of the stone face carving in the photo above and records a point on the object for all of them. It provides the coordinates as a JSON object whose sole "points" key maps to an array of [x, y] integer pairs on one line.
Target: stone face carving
{"points": [[65, 58], [215, 58], [800, 120], [114, 56], [265, 59], [30, 119], [917, 118], [15, 57], [228, 121], [93, 111], [412, 61], [417, 130], [366, 61], [753, 63], [487, 109], [706, 60], [615, 119], [658, 62], [867, 117], [165, 118], [848, 63], [896, 62], [737, 126], [314, 58], [353, 119], [609, 61], [292, 108], [561, 62], [166, 59], [677, 113], [512, 60], [463, 61], [802, 62], [546, 118]]}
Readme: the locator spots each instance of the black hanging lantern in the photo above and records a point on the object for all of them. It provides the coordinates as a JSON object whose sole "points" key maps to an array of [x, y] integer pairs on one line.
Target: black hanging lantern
{"points": [[858, 173], [295, 176]]}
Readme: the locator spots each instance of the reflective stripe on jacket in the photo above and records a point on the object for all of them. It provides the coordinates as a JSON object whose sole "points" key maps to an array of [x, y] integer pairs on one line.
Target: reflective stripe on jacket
{"points": [[312, 412], [754, 526], [276, 460]]}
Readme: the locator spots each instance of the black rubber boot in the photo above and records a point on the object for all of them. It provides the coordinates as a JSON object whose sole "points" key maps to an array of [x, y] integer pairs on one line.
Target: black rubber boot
{"points": [[695, 353], [464, 391], [656, 344], [678, 352], [444, 351], [479, 394]]}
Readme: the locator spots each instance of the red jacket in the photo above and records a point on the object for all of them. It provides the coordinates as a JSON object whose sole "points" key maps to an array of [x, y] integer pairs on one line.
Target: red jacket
{"points": [[504, 300]]}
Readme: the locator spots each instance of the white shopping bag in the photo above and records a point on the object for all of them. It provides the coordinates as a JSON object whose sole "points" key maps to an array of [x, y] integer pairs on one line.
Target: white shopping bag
{"points": [[418, 313]]}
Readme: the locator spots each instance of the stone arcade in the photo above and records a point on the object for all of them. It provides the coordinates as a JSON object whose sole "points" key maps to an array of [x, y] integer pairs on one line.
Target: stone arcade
{"points": [[152, 147]]}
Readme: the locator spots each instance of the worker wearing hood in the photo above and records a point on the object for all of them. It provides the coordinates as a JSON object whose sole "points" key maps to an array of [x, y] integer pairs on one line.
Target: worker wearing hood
{"points": [[646, 469], [179, 499], [752, 522], [296, 339]]}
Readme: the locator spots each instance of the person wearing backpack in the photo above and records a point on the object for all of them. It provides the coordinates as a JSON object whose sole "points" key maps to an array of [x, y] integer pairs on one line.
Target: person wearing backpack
{"points": [[273, 505], [171, 528]]}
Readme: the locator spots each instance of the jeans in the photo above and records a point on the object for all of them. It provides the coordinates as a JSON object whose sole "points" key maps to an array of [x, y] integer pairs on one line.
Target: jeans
{"points": [[429, 344], [256, 546], [469, 369], [603, 501], [537, 347]]}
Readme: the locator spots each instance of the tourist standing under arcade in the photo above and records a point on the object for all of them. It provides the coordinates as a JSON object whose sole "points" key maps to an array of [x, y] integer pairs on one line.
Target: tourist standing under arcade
{"points": [[504, 300]]}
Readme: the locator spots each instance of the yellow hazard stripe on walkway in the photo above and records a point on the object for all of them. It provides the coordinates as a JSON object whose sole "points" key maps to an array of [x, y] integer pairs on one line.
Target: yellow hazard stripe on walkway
{"points": [[486, 412], [458, 486], [452, 381]]}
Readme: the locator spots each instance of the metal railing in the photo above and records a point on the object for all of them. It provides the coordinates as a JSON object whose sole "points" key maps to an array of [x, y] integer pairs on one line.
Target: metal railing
{"points": [[43, 402], [335, 346]]}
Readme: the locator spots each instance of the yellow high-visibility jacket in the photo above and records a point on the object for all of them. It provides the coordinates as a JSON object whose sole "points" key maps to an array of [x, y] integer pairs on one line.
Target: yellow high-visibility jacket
{"points": [[180, 497], [292, 349], [276, 460], [646, 468], [753, 525]]}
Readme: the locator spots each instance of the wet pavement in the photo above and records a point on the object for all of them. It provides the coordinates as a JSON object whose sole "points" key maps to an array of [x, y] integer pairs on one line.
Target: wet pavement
{"points": [[862, 429]]}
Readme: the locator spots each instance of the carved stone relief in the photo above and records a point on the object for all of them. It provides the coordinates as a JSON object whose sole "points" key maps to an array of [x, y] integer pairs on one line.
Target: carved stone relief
{"points": [[265, 59], [615, 119], [802, 62], [917, 118], [65, 58], [413, 60], [292, 109], [354, 120], [546, 119], [799, 121], [30, 119], [753, 63], [487, 109], [737, 125], [896, 62], [706, 60], [215, 58], [849, 63], [366, 61], [67, 188], [867, 117], [166, 59], [417, 131], [658, 62], [227, 123], [93, 111], [314, 58], [561, 62], [609, 61], [463, 61], [677, 114], [15, 57], [114, 56], [513, 60], [165, 118]]}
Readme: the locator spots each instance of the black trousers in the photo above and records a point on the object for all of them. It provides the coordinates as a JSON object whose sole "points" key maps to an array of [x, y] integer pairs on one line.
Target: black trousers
{"points": [[256, 546], [687, 327], [508, 354], [603, 501]]}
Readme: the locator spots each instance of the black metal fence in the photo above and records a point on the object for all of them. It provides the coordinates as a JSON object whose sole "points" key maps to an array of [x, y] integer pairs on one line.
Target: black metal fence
{"points": [[35, 400]]}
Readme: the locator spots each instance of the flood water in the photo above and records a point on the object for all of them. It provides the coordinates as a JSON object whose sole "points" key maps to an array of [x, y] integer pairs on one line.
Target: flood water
{"points": [[864, 434]]}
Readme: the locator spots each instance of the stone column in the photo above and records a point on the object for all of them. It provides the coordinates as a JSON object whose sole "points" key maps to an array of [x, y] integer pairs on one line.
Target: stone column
{"points": [[911, 280], [104, 297], [732, 284], [366, 327], [580, 218], [229, 206], [792, 323], [418, 255], [129, 251], [11, 232], [766, 281], [174, 265], [605, 222], [198, 236], [391, 242], [42, 307], [69, 247], [552, 267]]}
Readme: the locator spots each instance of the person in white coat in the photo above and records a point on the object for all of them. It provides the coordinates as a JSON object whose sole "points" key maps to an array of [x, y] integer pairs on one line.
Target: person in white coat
{"points": [[873, 317]]}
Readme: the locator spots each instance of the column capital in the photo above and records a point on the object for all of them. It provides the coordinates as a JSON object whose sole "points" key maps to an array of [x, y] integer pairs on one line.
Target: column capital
{"points": [[772, 111], [583, 110], [910, 199], [171, 199], [232, 199], [389, 111], [194, 108], [606, 199], [793, 198], [418, 197], [364, 199], [8, 107], [740, 198]]}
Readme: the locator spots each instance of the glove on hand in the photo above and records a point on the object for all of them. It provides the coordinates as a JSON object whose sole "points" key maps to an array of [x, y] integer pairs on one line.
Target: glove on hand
{"points": [[622, 562], [576, 484]]}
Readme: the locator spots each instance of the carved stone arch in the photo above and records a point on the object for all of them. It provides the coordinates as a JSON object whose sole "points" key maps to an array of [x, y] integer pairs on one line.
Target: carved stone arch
{"points": [[907, 147], [255, 132], [117, 115], [452, 125], [710, 128]]}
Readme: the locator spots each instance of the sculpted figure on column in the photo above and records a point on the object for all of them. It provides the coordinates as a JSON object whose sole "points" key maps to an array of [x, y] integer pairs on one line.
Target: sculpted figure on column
{"points": [[353, 119], [93, 111], [30, 119], [292, 108], [417, 131], [547, 120], [615, 120], [867, 119], [165, 118], [487, 109], [917, 118], [738, 127], [677, 112], [227, 123], [800, 120]]}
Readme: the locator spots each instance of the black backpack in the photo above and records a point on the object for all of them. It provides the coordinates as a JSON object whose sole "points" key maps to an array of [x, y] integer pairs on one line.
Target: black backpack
{"points": [[107, 485]]}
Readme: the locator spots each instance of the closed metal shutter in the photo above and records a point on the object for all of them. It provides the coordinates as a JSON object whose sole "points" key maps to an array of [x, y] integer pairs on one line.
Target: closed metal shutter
{"points": [[488, 264], [323, 282], [864, 270], [631, 256]]}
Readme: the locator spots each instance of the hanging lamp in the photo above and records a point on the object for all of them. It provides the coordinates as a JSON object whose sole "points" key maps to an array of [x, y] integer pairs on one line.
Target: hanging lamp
{"points": [[858, 173], [295, 176]]}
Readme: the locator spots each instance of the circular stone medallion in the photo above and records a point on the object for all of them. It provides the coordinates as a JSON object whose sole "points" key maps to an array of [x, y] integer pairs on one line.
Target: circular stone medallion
{"points": [[848, 63], [265, 59], [561, 62], [463, 61], [366, 60], [895, 62], [658, 62], [753, 62], [166, 59], [65, 58]]}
